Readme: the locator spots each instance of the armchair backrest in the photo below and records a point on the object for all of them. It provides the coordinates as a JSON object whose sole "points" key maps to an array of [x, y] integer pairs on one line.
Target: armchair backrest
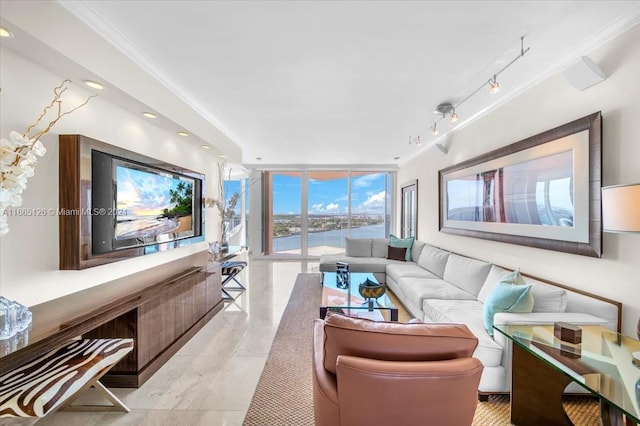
{"points": [[375, 373], [389, 341]]}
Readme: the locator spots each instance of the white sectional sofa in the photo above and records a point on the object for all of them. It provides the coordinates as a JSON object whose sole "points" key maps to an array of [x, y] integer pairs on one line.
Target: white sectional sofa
{"points": [[440, 286]]}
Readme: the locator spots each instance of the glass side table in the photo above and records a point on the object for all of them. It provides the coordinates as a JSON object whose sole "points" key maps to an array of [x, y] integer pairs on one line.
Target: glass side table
{"points": [[543, 365]]}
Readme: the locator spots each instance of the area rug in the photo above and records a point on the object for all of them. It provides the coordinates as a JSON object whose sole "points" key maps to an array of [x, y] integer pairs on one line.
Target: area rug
{"points": [[284, 395]]}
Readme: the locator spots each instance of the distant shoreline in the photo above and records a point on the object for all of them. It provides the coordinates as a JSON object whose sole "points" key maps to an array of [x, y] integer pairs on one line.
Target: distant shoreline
{"points": [[332, 238]]}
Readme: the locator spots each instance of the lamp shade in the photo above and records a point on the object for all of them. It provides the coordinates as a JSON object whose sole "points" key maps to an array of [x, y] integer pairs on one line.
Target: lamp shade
{"points": [[621, 208]]}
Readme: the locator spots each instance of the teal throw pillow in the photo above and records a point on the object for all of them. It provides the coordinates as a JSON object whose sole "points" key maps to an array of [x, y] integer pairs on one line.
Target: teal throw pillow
{"points": [[507, 296], [402, 242]]}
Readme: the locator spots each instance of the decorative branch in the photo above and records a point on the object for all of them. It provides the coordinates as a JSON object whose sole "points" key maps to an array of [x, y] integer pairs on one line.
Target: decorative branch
{"points": [[18, 154]]}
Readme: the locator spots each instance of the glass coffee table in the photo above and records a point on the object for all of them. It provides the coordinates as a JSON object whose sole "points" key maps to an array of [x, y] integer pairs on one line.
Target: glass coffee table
{"points": [[343, 295], [543, 365]]}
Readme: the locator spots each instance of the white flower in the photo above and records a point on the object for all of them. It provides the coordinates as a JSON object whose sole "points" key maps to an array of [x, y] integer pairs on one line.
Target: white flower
{"points": [[4, 226], [28, 160], [7, 156], [39, 149], [10, 198], [18, 140], [4, 198]]}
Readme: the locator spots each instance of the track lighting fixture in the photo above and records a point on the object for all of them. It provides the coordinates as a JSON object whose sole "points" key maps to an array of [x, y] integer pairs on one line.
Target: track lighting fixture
{"points": [[448, 108]]}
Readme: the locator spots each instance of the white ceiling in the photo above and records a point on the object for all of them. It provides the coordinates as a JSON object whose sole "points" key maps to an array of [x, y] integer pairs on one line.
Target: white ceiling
{"points": [[327, 82]]}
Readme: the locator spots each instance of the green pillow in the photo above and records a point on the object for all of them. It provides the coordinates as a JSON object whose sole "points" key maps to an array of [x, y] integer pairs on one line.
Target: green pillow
{"points": [[509, 295], [399, 242]]}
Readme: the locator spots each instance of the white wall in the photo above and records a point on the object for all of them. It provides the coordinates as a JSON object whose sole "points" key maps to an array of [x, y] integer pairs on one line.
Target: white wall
{"points": [[29, 253], [552, 103]]}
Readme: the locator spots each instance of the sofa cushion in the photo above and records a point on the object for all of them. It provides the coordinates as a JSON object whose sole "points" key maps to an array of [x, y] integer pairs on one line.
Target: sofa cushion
{"points": [[416, 250], [547, 298], [358, 247], [468, 312], [468, 274], [507, 296], [402, 242], [379, 247], [433, 259], [397, 253], [416, 290], [393, 341], [395, 271]]}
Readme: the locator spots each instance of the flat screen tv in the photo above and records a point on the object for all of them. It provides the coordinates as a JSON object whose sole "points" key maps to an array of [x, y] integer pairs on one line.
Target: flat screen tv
{"points": [[136, 205]]}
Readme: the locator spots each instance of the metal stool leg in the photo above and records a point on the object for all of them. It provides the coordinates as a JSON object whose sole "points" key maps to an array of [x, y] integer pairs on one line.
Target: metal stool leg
{"points": [[230, 270]]}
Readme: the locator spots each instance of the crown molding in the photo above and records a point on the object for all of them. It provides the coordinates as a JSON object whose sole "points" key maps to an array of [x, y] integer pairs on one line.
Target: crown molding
{"points": [[112, 35]]}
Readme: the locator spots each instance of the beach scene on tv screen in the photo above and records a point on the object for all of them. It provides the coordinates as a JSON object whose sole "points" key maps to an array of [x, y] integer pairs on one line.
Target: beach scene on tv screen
{"points": [[150, 204]]}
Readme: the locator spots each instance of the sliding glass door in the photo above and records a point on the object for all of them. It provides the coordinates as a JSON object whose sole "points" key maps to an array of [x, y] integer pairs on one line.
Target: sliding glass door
{"points": [[310, 213]]}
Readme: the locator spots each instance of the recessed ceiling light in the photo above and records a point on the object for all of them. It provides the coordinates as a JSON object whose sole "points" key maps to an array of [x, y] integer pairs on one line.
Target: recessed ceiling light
{"points": [[149, 114], [223, 156], [185, 134], [205, 147], [5, 33], [94, 84]]}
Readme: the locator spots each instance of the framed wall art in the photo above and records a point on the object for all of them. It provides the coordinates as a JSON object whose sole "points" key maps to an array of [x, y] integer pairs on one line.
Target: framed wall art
{"points": [[543, 191]]}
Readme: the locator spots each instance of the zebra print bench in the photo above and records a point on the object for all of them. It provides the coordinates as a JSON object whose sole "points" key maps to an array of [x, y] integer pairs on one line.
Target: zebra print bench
{"points": [[58, 378]]}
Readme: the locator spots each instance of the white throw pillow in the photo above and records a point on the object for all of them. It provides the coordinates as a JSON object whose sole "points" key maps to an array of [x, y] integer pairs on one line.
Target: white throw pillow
{"points": [[547, 298], [494, 276], [379, 247], [358, 247], [467, 273]]}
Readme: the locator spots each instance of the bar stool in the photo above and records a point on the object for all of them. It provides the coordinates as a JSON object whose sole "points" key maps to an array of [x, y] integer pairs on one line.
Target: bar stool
{"points": [[230, 271]]}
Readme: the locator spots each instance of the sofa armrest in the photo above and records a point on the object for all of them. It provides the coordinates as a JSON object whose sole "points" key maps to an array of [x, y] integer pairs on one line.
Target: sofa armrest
{"points": [[407, 392], [512, 318]]}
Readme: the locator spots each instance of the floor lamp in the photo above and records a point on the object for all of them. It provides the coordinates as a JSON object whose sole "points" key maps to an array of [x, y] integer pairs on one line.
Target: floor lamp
{"points": [[621, 211]]}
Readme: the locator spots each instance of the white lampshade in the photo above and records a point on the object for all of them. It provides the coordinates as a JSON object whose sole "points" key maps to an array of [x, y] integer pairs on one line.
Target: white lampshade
{"points": [[621, 208]]}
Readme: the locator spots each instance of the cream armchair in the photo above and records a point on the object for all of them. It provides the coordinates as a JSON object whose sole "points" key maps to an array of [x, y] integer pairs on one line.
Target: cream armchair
{"points": [[380, 373]]}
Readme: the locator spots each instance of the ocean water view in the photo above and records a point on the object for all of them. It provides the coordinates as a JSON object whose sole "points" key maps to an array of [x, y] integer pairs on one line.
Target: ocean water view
{"points": [[333, 238]]}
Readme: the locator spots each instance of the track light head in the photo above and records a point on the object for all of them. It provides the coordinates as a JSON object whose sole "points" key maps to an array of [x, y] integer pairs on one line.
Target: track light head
{"points": [[434, 129], [494, 86], [454, 117]]}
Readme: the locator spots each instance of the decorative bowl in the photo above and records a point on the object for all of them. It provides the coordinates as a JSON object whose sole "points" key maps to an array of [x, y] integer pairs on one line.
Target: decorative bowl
{"points": [[371, 289]]}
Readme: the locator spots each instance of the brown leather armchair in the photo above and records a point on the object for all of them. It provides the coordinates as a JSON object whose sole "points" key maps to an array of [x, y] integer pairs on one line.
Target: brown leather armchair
{"points": [[380, 373]]}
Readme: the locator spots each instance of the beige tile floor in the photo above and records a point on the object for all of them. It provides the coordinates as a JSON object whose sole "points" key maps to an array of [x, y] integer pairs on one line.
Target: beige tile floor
{"points": [[211, 380]]}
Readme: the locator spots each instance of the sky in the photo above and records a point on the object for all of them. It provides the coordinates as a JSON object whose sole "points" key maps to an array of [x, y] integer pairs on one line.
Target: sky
{"points": [[330, 196], [325, 196], [142, 193]]}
